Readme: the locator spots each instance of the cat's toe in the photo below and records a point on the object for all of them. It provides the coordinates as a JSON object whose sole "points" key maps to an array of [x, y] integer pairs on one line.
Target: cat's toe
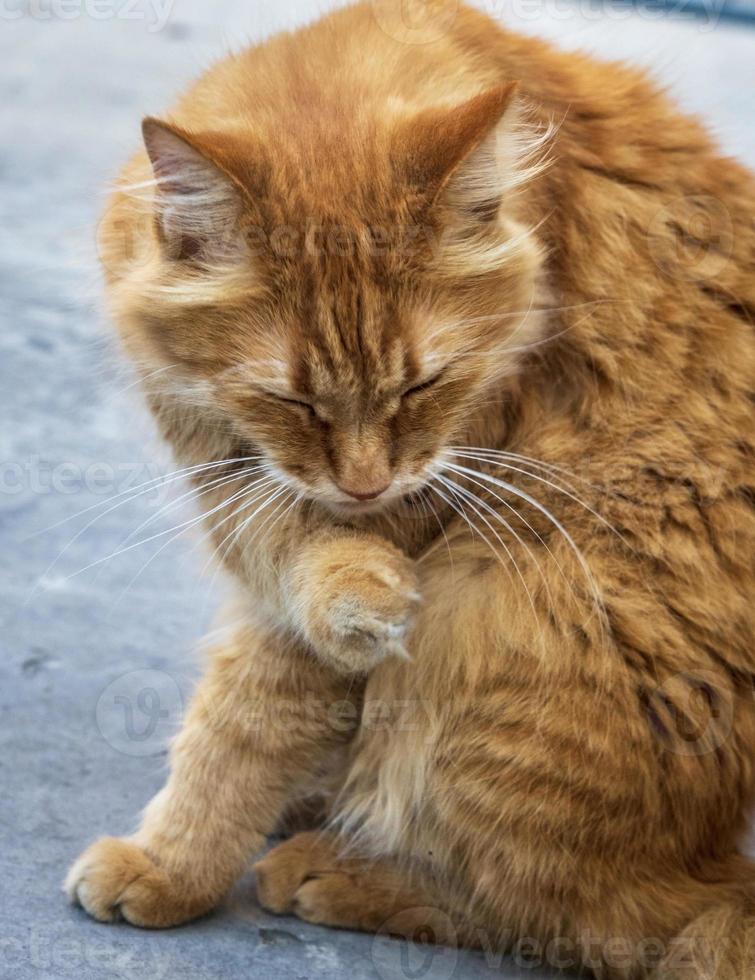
{"points": [[376, 624], [95, 901], [358, 603], [106, 877], [282, 871], [116, 879], [330, 900]]}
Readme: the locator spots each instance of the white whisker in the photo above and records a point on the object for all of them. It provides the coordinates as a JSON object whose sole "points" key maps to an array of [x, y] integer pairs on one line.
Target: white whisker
{"points": [[240, 494], [474, 531], [435, 514], [194, 494], [554, 486], [148, 485], [141, 379], [519, 539], [192, 522], [504, 485], [473, 502], [126, 496], [507, 454], [235, 532]]}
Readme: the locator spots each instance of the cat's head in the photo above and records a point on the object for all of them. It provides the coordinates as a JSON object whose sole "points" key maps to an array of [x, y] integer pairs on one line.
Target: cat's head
{"points": [[346, 307]]}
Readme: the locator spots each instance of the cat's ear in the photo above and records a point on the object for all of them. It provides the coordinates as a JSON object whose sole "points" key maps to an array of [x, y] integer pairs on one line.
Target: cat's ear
{"points": [[461, 154], [197, 203]]}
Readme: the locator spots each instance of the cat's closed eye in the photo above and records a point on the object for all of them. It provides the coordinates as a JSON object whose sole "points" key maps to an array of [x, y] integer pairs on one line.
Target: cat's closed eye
{"points": [[423, 385], [296, 403]]}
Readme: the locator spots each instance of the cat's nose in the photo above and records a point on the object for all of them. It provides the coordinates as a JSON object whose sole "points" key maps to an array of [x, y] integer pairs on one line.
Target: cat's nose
{"points": [[362, 466], [363, 493]]}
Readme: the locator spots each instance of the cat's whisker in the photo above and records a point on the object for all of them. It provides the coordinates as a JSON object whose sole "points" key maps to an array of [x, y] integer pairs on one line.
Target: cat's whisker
{"points": [[272, 495], [147, 486], [193, 494], [125, 496], [507, 454], [503, 459], [554, 486], [254, 490], [271, 520], [458, 508], [235, 532], [451, 505], [244, 492], [429, 551], [517, 536], [246, 544], [419, 503], [475, 503], [142, 379], [137, 544], [525, 464], [522, 494]]}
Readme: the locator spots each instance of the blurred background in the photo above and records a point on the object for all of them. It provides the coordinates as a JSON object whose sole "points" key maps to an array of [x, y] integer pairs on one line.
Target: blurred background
{"points": [[100, 637]]}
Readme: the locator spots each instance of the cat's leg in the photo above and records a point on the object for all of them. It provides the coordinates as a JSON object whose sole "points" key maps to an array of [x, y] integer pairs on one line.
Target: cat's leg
{"points": [[263, 719], [312, 877]]}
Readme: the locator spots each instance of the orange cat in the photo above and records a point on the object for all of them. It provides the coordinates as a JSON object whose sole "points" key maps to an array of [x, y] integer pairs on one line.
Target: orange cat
{"points": [[457, 338]]}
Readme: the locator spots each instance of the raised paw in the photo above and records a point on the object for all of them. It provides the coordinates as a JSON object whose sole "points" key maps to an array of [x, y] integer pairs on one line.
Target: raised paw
{"points": [[116, 879], [358, 600]]}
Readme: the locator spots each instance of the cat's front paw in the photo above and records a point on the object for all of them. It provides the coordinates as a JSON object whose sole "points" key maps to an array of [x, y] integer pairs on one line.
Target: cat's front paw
{"points": [[115, 879], [357, 602]]}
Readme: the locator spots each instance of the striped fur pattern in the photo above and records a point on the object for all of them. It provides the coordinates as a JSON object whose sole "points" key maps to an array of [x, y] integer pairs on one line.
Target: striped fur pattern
{"points": [[463, 371]]}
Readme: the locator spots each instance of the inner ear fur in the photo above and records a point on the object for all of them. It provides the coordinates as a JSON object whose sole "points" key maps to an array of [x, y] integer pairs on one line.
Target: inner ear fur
{"points": [[198, 199], [443, 148]]}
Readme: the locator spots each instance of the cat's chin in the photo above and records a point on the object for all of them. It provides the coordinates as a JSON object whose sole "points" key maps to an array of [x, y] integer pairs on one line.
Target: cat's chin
{"points": [[367, 508], [358, 508]]}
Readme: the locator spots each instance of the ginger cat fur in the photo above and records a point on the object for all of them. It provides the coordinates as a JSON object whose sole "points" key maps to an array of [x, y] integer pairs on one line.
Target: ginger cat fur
{"points": [[457, 340]]}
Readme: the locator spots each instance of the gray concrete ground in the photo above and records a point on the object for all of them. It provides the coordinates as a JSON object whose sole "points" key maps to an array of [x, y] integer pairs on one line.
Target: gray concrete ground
{"points": [[97, 662]]}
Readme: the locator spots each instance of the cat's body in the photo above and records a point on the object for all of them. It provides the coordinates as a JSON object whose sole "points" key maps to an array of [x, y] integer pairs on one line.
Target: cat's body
{"points": [[568, 753]]}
